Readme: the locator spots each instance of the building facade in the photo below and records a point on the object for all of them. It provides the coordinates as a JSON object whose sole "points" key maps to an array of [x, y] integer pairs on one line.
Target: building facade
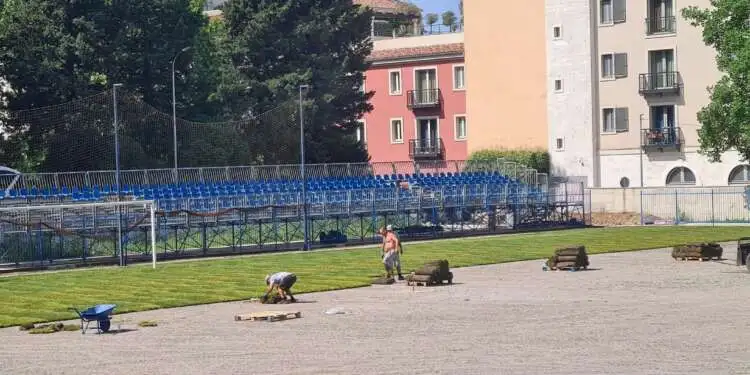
{"points": [[419, 101], [624, 81]]}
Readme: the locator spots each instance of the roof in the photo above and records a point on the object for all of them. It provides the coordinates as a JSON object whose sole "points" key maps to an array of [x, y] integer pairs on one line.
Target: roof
{"points": [[438, 50], [385, 6]]}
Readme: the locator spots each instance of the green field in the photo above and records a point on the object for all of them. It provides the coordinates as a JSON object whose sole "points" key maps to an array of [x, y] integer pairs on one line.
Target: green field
{"points": [[46, 297]]}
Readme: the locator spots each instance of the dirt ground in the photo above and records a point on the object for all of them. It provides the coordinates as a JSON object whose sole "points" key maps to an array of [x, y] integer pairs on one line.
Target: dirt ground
{"points": [[634, 313]]}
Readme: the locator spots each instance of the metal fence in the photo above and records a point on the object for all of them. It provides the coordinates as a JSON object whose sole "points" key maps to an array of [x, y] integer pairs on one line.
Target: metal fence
{"points": [[710, 205]]}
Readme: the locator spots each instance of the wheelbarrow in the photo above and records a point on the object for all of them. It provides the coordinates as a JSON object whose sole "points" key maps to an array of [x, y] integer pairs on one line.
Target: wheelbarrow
{"points": [[101, 314]]}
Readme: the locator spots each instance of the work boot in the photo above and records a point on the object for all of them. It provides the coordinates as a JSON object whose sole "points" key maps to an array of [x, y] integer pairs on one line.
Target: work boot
{"points": [[401, 277]]}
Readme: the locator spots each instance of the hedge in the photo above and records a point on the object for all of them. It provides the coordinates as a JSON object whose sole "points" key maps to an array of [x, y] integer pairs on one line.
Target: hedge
{"points": [[533, 158]]}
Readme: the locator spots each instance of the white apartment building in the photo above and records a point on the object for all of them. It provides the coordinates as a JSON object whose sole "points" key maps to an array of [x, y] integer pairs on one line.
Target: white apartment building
{"points": [[626, 79]]}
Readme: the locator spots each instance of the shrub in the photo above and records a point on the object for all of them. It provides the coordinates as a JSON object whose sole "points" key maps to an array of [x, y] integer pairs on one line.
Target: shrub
{"points": [[533, 158]]}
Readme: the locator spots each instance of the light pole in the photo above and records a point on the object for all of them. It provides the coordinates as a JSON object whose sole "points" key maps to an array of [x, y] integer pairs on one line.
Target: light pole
{"points": [[116, 126], [306, 240], [640, 130], [174, 109]]}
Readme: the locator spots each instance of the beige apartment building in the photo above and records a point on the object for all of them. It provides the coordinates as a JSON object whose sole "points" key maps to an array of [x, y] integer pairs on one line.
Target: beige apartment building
{"points": [[611, 87]]}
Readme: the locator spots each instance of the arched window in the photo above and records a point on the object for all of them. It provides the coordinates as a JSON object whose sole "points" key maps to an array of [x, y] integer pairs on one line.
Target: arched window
{"points": [[740, 175], [681, 176]]}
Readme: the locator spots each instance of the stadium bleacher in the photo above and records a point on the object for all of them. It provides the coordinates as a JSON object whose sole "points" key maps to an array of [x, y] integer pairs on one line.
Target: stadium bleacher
{"points": [[265, 192]]}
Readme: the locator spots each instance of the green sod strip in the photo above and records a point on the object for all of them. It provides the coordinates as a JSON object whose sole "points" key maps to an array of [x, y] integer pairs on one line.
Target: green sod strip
{"points": [[45, 297]]}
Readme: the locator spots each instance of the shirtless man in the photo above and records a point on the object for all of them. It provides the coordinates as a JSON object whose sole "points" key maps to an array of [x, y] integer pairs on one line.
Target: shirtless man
{"points": [[391, 248]]}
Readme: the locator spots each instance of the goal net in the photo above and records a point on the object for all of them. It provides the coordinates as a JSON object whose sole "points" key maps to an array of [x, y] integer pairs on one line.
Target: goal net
{"points": [[104, 233]]}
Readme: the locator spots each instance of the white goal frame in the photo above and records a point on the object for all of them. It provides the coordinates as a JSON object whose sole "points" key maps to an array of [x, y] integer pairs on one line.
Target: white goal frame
{"points": [[149, 205]]}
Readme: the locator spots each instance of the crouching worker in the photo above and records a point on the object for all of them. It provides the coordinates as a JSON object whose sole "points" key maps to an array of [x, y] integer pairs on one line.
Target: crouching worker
{"points": [[282, 282]]}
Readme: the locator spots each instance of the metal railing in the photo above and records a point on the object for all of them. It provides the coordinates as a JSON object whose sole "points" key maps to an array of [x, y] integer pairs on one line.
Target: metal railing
{"points": [[423, 98], [401, 29], [659, 83], [660, 25], [426, 148], [667, 137], [165, 176]]}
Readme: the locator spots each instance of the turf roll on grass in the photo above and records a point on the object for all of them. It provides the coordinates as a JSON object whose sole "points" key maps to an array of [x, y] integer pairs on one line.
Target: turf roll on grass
{"points": [[698, 251]]}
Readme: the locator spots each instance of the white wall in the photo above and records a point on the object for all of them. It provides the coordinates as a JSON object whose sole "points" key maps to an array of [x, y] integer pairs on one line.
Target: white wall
{"points": [[656, 167], [570, 113]]}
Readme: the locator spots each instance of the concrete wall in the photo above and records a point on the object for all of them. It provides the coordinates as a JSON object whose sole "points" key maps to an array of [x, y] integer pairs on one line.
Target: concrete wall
{"points": [[417, 41], [570, 111]]}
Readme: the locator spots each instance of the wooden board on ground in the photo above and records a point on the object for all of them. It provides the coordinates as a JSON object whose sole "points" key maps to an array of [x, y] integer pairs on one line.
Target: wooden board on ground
{"points": [[270, 316]]}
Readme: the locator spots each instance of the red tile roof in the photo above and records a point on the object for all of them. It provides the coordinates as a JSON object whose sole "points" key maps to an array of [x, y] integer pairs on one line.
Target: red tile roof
{"points": [[384, 6], [437, 50]]}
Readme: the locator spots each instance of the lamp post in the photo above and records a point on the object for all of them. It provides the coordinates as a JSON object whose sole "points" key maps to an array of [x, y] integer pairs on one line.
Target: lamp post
{"points": [[116, 126], [306, 241], [174, 108]]}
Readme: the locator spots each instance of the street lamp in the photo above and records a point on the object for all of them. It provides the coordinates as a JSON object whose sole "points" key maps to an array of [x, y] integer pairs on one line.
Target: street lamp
{"points": [[306, 243], [174, 107]]}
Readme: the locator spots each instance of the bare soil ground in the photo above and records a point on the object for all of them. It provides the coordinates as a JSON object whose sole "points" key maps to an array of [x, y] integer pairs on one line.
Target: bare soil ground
{"points": [[634, 313]]}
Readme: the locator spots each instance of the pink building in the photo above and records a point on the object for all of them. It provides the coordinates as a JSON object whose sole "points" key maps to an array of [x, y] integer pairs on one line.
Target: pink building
{"points": [[419, 102]]}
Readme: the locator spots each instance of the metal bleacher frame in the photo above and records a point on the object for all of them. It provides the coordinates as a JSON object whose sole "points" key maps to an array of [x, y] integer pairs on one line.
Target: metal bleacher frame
{"points": [[205, 211]]}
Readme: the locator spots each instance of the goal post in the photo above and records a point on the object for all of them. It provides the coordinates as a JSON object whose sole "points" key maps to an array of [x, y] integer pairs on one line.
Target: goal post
{"points": [[60, 232]]}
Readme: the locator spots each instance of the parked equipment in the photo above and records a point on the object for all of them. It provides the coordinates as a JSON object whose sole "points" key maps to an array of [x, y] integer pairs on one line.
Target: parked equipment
{"points": [[101, 314]]}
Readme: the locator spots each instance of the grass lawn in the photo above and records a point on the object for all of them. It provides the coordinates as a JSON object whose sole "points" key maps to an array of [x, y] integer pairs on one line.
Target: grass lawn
{"points": [[45, 297]]}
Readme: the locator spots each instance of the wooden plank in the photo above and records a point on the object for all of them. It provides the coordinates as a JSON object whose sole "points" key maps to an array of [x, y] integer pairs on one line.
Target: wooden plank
{"points": [[271, 316]]}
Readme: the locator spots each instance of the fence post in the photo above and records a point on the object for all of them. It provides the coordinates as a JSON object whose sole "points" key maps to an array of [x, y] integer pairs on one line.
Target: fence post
{"points": [[676, 208], [641, 206], [713, 216]]}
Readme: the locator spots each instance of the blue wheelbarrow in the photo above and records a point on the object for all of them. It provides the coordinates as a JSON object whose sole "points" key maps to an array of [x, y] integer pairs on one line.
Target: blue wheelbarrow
{"points": [[101, 314]]}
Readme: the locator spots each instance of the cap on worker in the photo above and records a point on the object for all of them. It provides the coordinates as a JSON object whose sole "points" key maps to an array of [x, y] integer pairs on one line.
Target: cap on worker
{"points": [[389, 227]]}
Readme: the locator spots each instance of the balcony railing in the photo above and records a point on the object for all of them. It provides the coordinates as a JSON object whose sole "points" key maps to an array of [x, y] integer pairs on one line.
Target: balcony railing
{"points": [[659, 83], [660, 139], [426, 148], [660, 25], [423, 98]]}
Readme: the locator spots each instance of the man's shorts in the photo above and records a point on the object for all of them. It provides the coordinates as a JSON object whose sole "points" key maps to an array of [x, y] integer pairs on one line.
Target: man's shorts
{"points": [[288, 281], [390, 259]]}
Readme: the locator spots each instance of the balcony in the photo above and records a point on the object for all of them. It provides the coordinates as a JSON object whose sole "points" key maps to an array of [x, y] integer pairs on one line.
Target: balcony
{"points": [[423, 98], [668, 138], [659, 83], [426, 148], [660, 25]]}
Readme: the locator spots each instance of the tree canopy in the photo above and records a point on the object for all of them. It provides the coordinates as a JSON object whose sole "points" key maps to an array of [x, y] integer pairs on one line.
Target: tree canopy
{"points": [[725, 121], [55, 52], [281, 45]]}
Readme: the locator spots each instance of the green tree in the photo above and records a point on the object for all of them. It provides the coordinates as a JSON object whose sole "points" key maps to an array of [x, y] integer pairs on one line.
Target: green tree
{"points": [[449, 18], [724, 121], [57, 51], [281, 45], [431, 18]]}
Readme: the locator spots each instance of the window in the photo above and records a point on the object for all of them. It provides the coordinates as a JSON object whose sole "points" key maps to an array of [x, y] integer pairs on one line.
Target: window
{"points": [[394, 82], [611, 11], [361, 132], [459, 77], [557, 32], [605, 9], [397, 130], [681, 176], [460, 131], [558, 85], [740, 175], [559, 144], [614, 120], [614, 65]]}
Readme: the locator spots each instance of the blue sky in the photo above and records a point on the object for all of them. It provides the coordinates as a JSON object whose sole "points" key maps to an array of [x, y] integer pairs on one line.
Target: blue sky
{"points": [[437, 6]]}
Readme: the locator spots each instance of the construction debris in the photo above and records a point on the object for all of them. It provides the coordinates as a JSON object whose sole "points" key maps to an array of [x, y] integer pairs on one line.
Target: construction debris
{"points": [[269, 316], [697, 251], [568, 258]]}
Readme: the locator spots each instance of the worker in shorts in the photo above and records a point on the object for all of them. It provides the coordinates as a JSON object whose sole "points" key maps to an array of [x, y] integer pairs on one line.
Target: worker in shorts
{"points": [[282, 282], [391, 251]]}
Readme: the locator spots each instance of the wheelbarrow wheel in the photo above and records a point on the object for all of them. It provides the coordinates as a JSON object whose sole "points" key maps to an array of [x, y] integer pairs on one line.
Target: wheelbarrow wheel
{"points": [[104, 325]]}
